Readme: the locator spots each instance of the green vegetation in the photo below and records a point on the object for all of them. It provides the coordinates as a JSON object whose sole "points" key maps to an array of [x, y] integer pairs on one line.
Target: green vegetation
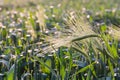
{"points": [[60, 40]]}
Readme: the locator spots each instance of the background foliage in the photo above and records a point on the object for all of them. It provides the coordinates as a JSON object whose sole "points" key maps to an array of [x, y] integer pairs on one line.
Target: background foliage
{"points": [[60, 40]]}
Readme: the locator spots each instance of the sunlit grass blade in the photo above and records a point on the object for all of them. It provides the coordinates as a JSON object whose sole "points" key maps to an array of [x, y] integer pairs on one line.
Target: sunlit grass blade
{"points": [[111, 67], [10, 73], [43, 63]]}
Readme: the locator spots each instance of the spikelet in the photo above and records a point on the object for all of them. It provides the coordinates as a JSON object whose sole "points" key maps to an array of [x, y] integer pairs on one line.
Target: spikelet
{"points": [[41, 18]]}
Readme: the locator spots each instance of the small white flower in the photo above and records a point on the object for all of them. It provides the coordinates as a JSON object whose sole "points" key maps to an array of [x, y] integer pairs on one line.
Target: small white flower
{"points": [[51, 7], [8, 12], [10, 30], [13, 56], [88, 16], [22, 15], [114, 10], [97, 62], [98, 24], [15, 12], [53, 16], [84, 9], [3, 26], [8, 36], [85, 74], [36, 50], [59, 5], [47, 31], [3, 55], [29, 51]]}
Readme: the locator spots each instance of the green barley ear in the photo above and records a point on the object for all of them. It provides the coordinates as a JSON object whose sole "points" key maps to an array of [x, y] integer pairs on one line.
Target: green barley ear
{"points": [[75, 29]]}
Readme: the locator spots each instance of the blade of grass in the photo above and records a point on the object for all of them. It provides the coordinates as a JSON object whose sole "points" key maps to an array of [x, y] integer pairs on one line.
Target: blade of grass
{"points": [[85, 68], [41, 62], [10, 73], [84, 37]]}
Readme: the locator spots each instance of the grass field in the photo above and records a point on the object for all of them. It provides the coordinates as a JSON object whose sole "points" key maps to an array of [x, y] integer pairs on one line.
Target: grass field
{"points": [[60, 40]]}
